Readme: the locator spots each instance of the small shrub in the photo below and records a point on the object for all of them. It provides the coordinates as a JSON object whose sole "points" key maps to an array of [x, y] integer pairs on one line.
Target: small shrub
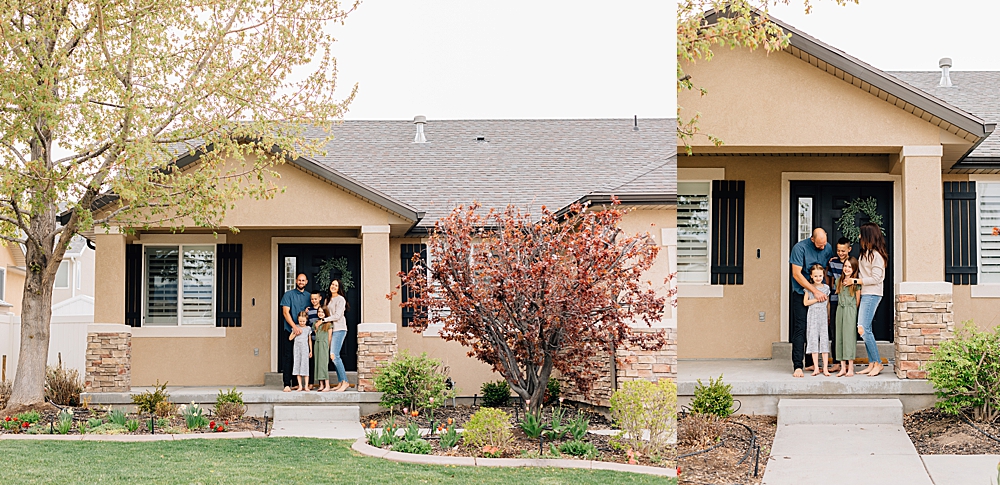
{"points": [[965, 373], [231, 395], [117, 416], [62, 385], [579, 448], [488, 427], [700, 430], [165, 408], [65, 422], [147, 402], [642, 405], [194, 416], [230, 410], [412, 382], [30, 417], [5, 389], [716, 398], [450, 437], [551, 392], [418, 446], [532, 426], [131, 425], [495, 394]]}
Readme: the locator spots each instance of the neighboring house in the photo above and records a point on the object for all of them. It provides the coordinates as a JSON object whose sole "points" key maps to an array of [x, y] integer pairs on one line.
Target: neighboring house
{"points": [[807, 130], [11, 278], [369, 203]]}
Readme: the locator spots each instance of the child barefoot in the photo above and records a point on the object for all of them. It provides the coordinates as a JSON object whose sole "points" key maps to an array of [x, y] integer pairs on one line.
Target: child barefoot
{"points": [[302, 351], [323, 330], [817, 336], [847, 318]]}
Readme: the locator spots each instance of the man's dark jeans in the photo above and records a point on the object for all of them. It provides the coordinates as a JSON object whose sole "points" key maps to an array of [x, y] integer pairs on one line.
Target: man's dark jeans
{"points": [[287, 359], [798, 334]]}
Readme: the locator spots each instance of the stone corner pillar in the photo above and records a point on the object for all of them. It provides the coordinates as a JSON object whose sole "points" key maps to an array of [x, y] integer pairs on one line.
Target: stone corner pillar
{"points": [[376, 346], [108, 358], [924, 319]]}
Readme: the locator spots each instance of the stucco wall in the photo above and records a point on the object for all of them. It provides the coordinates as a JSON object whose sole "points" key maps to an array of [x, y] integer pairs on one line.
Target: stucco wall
{"points": [[728, 327]]}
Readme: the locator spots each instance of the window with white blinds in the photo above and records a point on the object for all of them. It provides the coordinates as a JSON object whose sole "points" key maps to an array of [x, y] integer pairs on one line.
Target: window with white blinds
{"points": [[989, 233], [180, 285], [694, 203]]}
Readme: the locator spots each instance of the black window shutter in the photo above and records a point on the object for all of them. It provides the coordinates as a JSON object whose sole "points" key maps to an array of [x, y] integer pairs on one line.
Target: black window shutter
{"points": [[728, 201], [133, 285], [229, 285], [960, 263], [406, 252]]}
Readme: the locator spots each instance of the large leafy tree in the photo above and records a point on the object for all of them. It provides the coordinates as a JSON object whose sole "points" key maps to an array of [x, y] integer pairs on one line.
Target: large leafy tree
{"points": [[99, 97], [528, 296], [739, 23]]}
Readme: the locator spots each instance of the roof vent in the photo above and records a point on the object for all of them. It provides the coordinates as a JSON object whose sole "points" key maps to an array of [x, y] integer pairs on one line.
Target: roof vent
{"points": [[420, 121], [945, 65], [480, 138], [635, 121]]}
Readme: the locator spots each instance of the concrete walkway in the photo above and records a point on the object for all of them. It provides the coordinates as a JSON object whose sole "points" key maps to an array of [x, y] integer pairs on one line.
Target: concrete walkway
{"points": [[333, 422], [836, 441], [962, 469]]}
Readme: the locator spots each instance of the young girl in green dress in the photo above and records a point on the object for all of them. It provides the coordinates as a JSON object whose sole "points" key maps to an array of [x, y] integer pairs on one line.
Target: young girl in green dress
{"points": [[847, 318], [322, 330]]}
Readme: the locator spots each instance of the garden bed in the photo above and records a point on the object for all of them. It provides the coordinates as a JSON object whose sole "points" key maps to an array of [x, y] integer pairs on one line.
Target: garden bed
{"points": [[727, 443], [936, 433], [520, 446], [48, 422]]}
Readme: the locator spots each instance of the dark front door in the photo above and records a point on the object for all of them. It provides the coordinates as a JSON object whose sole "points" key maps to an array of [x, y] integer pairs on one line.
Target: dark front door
{"points": [[819, 204], [310, 259]]}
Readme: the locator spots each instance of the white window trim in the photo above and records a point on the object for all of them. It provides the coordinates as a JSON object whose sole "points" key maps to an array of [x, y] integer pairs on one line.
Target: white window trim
{"points": [[180, 304], [55, 284], [985, 290], [78, 275], [702, 290]]}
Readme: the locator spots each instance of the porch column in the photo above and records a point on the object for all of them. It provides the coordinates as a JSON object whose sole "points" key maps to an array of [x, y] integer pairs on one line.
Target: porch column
{"points": [[376, 333], [109, 289], [923, 305]]}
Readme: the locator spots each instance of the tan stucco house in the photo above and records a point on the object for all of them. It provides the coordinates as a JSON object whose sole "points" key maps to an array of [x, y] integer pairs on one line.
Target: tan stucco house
{"points": [[807, 130], [368, 203]]}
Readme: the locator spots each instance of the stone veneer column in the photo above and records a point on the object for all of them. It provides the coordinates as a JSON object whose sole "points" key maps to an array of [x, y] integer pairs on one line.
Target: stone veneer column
{"points": [[108, 358], [924, 319], [376, 346]]}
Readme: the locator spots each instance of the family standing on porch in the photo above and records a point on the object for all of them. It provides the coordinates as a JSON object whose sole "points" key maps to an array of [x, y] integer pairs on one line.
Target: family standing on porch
{"points": [[834, 298], [320, 319]]}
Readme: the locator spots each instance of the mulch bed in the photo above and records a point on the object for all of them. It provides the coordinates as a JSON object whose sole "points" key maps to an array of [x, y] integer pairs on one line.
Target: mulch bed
{"points": [[937, 433], [176, 425], [721, 465], [521, 446]]}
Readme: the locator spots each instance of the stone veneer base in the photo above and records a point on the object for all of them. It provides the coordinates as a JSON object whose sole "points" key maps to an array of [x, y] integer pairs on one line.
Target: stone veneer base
{"points": [[922, 322], [365, 449], [376, 345]]}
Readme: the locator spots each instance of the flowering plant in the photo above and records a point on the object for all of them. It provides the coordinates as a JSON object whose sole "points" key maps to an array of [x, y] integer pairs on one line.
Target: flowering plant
{"points": [[193, 416], [490, 451]]}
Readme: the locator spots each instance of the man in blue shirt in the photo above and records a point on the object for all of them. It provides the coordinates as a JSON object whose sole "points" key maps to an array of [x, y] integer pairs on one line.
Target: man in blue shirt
{"points": [[805, 253], [292, 302]]}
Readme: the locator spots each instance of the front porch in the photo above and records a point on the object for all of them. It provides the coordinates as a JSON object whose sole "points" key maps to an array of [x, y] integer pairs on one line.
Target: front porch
{"points": [[758, 384]]}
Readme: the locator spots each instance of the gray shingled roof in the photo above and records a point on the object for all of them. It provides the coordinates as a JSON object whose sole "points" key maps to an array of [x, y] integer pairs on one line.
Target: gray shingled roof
{"points": [[977, 92], [528, 163]]}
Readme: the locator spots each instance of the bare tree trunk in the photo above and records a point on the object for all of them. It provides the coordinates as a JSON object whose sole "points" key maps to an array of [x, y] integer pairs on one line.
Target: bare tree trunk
{"points": [[36, 313]]}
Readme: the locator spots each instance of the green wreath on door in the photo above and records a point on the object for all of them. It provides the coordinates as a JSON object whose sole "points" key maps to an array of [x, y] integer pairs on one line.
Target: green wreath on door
{"points": [[848, 224]]}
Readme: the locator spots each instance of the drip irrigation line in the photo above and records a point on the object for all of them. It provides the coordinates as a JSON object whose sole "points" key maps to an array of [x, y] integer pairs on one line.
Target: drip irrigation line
{"points": [[977, 428], [706, 450]]}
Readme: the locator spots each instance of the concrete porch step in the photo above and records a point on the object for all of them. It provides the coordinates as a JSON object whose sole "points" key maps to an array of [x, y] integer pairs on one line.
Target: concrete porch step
{"points": [[840, 411], [273, 379], [783, 350], [317, 413]]}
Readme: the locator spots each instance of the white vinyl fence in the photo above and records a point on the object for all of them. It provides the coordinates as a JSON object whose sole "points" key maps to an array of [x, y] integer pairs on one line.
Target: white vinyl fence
{"points": [[68, 338]]}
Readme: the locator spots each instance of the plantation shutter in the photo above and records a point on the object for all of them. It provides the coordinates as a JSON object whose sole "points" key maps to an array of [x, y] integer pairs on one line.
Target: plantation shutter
{"points": [[960, 265], [406, 253], [229, 285], [728, 201], [133, 285]]}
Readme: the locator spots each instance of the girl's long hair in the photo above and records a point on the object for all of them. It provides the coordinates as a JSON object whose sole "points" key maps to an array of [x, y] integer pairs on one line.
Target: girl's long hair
{"points": [[323, 326], [854, 274], [340, 291], [872, 241]]}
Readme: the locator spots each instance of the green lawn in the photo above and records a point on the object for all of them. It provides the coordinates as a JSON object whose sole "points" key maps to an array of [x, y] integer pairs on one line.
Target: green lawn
{"points": [[257, 461]]}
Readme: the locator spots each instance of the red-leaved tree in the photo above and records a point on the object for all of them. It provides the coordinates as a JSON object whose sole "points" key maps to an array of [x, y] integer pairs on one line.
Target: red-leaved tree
{"points": [[531, 296]]}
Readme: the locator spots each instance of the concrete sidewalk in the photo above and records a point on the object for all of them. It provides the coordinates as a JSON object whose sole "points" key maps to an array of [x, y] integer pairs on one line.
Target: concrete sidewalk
{"points": [[962, 469]]}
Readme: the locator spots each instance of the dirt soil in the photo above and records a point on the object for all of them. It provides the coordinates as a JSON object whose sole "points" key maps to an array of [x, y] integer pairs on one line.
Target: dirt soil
{"points": [[721, 465], [176, 423], [936, 433], [521, 446]]}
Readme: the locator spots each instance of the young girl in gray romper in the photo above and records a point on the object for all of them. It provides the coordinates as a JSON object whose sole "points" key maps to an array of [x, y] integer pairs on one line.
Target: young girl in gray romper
{"points": [[301, 352], [817, 321]]}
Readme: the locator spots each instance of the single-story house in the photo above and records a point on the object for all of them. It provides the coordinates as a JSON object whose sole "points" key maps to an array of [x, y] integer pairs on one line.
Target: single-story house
{"points": [[362, 208], [806, 131]]}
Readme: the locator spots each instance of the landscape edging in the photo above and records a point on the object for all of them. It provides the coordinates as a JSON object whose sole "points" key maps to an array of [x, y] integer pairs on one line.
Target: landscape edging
{"points": [[361, 446]]}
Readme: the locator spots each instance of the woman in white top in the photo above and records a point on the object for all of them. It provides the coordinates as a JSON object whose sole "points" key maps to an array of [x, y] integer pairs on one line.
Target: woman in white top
{"points": [[337, 305], [872, 262]]}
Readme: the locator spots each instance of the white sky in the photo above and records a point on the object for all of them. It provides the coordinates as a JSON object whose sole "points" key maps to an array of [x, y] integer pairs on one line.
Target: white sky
{"points": [[461, 59], [905, 35]]}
